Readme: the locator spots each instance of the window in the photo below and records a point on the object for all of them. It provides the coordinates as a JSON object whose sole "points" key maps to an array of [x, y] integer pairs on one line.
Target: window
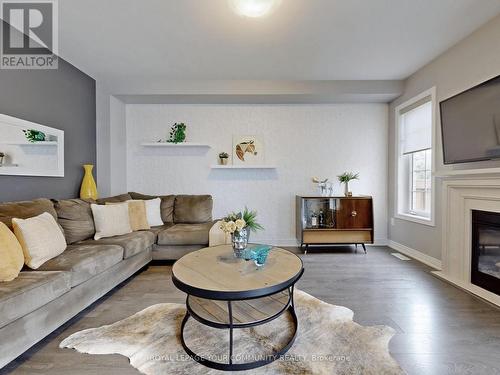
{"points": [[415, 131]]}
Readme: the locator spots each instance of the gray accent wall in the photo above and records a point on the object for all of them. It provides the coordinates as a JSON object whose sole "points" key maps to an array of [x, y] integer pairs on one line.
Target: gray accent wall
{"points": [[470, 62], [62, 99]]}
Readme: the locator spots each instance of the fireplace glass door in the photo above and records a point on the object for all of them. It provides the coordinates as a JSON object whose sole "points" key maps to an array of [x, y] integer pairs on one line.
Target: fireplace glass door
{"points": [[485, 271]]}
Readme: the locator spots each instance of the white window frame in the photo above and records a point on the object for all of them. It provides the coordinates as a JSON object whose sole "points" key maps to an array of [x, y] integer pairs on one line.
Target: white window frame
{"points": [[399, 214]]}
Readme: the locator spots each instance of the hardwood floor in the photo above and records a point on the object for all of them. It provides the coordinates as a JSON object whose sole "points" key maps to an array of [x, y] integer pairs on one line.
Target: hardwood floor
{"points": [[440, 329]]}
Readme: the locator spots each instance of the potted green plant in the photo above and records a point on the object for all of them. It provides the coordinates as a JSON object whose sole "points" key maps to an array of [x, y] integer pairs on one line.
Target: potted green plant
{"points": [[177, 133], [223, 158], [345, 178], [34, 136]]}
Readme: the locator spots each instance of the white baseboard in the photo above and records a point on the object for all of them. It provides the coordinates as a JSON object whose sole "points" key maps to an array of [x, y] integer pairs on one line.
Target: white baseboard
{"points": [[471, 288], [415, 254]]}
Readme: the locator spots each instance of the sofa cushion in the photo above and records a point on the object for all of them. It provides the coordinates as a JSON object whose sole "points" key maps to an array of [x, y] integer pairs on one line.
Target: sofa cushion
{"points": [[166, 207], [185, 234], [115, 199], [75, 217], [156, 230], [190, 209], [25, 210], [85, 261], [29, 291], [132, 243]]}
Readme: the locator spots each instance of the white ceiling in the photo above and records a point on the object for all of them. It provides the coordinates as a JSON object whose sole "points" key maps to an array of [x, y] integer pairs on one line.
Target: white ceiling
{"points": [[117, 40]]}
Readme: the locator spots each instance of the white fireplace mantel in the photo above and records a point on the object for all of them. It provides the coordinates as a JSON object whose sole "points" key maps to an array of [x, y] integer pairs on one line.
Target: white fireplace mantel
{"points": [[460, 197]]}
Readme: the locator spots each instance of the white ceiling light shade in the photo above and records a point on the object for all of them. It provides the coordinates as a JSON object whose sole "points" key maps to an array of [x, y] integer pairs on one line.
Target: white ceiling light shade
{"points": [[253, 8]]}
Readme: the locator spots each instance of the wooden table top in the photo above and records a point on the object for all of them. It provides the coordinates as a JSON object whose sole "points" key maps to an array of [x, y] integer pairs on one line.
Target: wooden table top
{"points": [[216, 271]]}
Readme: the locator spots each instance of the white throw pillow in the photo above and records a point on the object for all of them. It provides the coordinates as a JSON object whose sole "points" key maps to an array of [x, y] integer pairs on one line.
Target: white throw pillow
{"points": [[110, 220], [40, 237], [153, 212]]}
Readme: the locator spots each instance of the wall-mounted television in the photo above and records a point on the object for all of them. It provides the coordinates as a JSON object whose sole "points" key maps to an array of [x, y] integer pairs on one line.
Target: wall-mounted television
{"points": [[470, 124]]}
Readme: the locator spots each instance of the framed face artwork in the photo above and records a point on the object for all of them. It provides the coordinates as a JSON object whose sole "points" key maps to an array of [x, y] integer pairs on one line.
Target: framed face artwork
{"points": [[248, 150]]}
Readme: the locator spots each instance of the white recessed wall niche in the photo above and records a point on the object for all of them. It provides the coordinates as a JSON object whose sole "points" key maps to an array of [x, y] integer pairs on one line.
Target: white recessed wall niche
{"points": [[30, 149], [300, 142]]}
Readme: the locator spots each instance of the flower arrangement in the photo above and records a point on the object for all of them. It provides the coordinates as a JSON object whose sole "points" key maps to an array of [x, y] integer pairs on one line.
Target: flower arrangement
{"points": [[239, 226], [236, 222]]}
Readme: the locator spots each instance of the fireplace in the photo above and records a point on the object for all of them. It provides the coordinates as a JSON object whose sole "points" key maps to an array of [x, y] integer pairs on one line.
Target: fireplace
{"points": [[485, 264]]}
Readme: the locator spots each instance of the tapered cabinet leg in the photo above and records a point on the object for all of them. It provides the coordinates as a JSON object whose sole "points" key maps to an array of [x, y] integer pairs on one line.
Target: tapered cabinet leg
{"points": [[364, 247]]}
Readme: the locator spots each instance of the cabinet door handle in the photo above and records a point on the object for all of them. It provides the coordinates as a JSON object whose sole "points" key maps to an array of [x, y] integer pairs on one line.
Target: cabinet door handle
{"points": [[353, 213]]}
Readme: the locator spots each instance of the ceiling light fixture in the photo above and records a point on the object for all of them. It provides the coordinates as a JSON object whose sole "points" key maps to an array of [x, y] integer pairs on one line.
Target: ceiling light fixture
{"points": [[254, 8]]}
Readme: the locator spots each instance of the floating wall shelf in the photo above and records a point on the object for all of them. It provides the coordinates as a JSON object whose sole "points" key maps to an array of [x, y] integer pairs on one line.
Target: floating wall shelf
{"points": [[168, 144], [218, 166], [43, 143]]}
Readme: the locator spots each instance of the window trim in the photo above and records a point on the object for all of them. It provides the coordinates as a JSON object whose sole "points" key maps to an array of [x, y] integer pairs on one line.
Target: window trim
{"points": [[398, 213]]}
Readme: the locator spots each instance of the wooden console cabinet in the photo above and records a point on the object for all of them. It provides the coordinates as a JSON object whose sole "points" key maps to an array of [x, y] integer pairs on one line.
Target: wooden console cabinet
{"points": [[344, 220]]}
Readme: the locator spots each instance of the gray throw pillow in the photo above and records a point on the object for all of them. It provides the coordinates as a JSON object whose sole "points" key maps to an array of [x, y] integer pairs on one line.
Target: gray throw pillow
{"points": [[75, 217], [193, 209]]}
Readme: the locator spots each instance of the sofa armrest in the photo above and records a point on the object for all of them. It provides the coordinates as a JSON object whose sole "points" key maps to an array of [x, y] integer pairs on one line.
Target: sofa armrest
{"points": [[217, 236]]}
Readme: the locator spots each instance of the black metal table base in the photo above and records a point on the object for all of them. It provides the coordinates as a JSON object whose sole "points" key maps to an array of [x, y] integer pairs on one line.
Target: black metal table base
{"points": [[230, 365]]}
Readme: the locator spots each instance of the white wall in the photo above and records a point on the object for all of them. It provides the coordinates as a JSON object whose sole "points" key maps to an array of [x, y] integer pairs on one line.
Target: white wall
{"points": [[470, 62], [102, 99], [111, 141], [118, 150], [302, 140]]}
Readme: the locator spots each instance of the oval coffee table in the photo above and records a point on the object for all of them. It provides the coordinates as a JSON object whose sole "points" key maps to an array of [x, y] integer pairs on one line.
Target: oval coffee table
{"points": [[230, 293]]}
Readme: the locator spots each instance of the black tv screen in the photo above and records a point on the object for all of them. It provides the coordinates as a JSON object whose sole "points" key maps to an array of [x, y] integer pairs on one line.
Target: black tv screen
{"points": [[470, 124]]}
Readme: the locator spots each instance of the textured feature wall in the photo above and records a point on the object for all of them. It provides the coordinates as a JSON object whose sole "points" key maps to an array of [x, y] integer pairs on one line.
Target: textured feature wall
{"points": [[301, 140]]}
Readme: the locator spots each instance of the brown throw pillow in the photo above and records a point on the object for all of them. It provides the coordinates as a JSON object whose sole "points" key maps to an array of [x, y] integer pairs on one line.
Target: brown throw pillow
{"points": [[193, 209], [137, 213], [25, 210], [116, 199], [166, 207], [75, 217]]}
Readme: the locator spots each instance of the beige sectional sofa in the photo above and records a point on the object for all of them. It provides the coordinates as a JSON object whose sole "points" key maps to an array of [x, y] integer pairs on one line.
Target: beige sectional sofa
{"points": [[38, 301]]}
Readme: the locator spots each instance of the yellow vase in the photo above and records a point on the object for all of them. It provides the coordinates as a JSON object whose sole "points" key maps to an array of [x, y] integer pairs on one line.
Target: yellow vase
{"points": [[88, 188]]}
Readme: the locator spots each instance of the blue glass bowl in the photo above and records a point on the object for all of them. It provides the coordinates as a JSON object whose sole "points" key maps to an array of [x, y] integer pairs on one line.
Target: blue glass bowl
{"points": [[258, 253]]}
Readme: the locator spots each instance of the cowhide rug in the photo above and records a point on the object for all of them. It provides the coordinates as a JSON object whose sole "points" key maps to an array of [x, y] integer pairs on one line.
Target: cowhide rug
{"points": [[328, 342]]}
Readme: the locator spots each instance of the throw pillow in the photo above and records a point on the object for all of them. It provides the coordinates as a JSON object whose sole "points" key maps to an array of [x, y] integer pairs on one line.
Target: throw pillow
{"points": [[110, 220], [25, 210], [115, 199], [40, 237], [166, 207], [75, 216], [192, 209], [153, 212], [11, 254], [138, 215]]}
